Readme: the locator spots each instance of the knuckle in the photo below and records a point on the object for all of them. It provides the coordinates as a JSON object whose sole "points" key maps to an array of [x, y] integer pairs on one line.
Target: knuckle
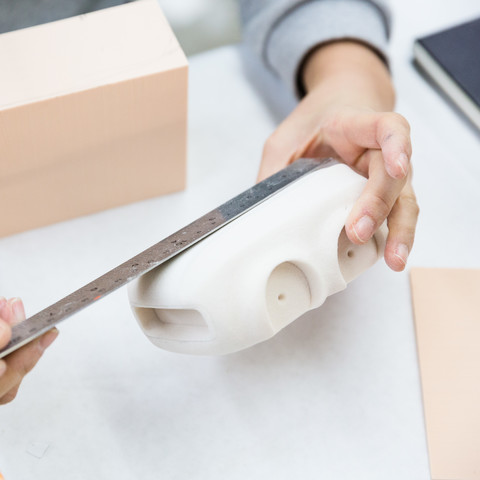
{"points": [[333, 124], [409, 201], [402, 233], [391, 120], [379, 207], [394, 117], [402, 121], [404, 230]]}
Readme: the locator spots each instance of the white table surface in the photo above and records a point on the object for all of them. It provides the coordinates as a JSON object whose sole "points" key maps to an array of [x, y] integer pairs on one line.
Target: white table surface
{"points": [[335, 395]]}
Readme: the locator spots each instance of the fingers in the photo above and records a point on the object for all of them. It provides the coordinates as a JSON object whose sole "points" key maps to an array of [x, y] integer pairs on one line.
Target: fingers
{"points": [[401, 225], [345, 135], [5, 330], [376, 201], [5, 311], [16, 365], [393, 136], [389, 132], [19, 363], [12, 310], [385, 198], [5, 334]]}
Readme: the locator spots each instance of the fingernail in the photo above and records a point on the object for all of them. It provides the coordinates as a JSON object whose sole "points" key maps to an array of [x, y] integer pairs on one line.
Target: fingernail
{"points": [[18, 310], [364, 228], [3, 367], [402, 162], [48, 338], [401, 252]]}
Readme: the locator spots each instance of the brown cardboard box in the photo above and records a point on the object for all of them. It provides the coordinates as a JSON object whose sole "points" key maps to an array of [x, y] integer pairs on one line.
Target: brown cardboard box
{"points": [[93, 114]]}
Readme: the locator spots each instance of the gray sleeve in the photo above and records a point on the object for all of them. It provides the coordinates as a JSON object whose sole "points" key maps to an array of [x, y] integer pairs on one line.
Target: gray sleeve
{"points": [[283, 32]]}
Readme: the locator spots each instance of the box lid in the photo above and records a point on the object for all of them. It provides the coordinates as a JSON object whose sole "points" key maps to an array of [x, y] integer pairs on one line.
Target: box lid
{"points": [[84, 52]]}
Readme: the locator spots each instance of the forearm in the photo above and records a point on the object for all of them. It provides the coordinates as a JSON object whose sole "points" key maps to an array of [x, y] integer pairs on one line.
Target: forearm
{"points": [[347, 73]]}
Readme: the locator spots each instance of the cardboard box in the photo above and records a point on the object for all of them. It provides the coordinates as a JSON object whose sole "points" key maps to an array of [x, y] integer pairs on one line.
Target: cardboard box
{"points": [[93, 114]]}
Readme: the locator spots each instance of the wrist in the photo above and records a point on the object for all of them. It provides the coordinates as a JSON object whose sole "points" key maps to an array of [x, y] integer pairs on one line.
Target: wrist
{"points": [[348, 73]]}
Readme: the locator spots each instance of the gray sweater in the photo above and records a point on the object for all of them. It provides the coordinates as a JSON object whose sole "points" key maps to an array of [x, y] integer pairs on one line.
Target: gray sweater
{"points": [[281, 32]]}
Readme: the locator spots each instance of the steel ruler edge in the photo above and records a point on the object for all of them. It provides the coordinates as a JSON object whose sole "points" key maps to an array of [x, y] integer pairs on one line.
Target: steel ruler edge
{"points": [[159, 253]]}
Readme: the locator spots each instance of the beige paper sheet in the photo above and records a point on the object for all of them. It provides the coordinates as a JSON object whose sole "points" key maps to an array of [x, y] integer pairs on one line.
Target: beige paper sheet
{"points": [[446, 305]]}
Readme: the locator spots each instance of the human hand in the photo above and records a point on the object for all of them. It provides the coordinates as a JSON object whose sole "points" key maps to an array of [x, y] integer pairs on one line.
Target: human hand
{"points": [[345, 115], [16, 365]]}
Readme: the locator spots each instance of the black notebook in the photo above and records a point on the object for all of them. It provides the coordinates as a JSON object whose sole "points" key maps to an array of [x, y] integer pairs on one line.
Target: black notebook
{"points": [[451, 58]]}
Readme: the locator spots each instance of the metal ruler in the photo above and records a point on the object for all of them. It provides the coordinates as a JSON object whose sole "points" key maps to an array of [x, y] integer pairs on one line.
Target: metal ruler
{"points": [[159, 253]]}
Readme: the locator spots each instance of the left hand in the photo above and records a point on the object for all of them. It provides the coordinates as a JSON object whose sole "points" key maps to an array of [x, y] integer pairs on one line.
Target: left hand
{"points": [[16, 365]]}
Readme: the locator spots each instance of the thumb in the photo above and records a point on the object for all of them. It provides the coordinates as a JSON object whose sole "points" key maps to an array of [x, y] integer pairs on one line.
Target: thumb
{"points": [[285, 145]]}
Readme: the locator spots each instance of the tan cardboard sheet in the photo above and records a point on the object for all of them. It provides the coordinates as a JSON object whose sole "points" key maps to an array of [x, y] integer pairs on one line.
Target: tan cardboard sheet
{"points": [[446, 305]]}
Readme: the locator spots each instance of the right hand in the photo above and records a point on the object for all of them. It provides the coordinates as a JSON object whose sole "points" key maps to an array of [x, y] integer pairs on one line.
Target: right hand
{"points": [[347, 114], [16, 365]]}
